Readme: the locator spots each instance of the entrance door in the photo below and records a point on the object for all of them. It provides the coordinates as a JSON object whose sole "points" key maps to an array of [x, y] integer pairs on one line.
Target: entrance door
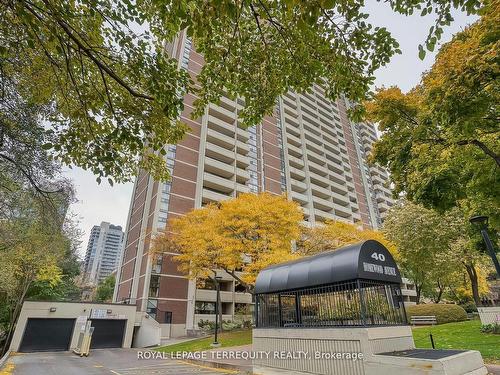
{"points": [[108, 333], [47, 334]]}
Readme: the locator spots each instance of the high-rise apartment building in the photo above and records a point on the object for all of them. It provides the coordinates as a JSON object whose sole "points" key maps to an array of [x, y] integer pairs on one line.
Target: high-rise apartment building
{"points": [[104, 252], [376, 176], [308, 149]]}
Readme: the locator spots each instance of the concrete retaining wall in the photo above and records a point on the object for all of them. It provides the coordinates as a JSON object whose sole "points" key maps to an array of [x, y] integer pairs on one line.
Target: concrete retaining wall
{"points": [[322, 342]]}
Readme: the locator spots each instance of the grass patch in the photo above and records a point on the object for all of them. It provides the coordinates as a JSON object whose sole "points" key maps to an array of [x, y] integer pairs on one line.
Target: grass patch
{"points": [[460, 335], [226, 339]]}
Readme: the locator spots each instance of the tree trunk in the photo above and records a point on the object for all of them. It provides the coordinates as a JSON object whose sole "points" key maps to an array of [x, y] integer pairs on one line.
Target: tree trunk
{"points": [[440, 288], [418, 289], [15, 316], [471, 271]]}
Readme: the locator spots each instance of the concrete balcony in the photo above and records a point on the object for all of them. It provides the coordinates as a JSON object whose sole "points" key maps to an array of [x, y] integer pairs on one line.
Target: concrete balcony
{"points": [[338, 188], [317, 168], [241, 188], [221, 126], [337, 178], [242, 298], [242, 135], [323, 216], [319, 180], [289, 108], [294, 150], [320, 191], [322, 204], [308, 101], [242, 148], [219, 168], [383, 207], [220, 139], [212, 196], [336, 167], [293, 140], [297, 185], [222, 113], [242, 161], [291, 119], [297, 174], [408, 292], [219, 153], [293, 130], [295, 162], [340, 199], [311, 146], [331, 144], [207, 295], [229, 103], [242, 174], [289, 100], [341, 211], [218, 183], [356, 216], [298, 197]]}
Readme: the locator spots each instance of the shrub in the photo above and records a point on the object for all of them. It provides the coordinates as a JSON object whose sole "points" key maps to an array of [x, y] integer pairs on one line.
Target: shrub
{"points": [[491, 328], [469, 307], [227, 325], [444, 313]]}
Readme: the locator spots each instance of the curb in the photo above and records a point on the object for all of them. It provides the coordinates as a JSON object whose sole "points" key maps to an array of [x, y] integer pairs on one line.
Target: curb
{"points": [[242, 369], [4, 359]]}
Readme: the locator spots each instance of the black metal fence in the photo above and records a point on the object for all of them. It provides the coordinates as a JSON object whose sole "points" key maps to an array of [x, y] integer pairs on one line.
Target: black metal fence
{"points": [[353, 303]]}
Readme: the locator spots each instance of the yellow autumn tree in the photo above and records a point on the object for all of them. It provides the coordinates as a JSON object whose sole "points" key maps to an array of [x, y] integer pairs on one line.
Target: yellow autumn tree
{"points": [[240, 236], [335, 234]]}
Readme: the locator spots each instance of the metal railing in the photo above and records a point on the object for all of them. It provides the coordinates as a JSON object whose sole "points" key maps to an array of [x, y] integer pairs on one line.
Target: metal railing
{"points": [[347, 304]]}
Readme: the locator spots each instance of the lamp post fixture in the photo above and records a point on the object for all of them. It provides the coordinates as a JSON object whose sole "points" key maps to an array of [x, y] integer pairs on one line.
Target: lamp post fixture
{"points": [[482, 222], [217, 300]]}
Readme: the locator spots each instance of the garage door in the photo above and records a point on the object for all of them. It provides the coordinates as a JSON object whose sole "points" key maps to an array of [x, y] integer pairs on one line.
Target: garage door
{"points": [[108, 333], [46, 334]]}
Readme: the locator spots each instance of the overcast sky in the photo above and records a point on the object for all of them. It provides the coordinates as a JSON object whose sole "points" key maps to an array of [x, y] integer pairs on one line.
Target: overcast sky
{"points": [[98, 203]]}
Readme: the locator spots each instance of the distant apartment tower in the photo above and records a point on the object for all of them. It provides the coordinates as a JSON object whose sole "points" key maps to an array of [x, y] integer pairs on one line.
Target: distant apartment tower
{"points": [[308, 149], [104, 251]]}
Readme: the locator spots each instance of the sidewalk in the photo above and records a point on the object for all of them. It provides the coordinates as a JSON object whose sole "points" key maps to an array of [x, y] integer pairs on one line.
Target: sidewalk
{"points": [[493, 369], [178, 340]]}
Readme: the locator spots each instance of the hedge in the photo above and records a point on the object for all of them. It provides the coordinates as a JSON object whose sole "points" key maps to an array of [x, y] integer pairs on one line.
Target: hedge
{"points": [[444, 313]]}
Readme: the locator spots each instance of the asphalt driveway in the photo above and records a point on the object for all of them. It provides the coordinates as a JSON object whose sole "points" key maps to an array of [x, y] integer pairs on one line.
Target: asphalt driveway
{"points": [[101, 362]]}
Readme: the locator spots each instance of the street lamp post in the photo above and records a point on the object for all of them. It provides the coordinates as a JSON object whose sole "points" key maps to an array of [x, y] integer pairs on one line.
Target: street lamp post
{"points": [[217, 301], [482, 222]]}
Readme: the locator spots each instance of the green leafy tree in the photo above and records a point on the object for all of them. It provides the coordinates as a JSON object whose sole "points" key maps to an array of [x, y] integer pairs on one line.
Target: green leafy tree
{"points": [[113, 95], [30, 252], [436, 251], [441, 140], [104, 291], [37, 244]]}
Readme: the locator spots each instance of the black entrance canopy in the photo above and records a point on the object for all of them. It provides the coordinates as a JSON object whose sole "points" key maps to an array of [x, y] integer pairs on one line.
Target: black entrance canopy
{"points": [[365, 260], [351, 286]]}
